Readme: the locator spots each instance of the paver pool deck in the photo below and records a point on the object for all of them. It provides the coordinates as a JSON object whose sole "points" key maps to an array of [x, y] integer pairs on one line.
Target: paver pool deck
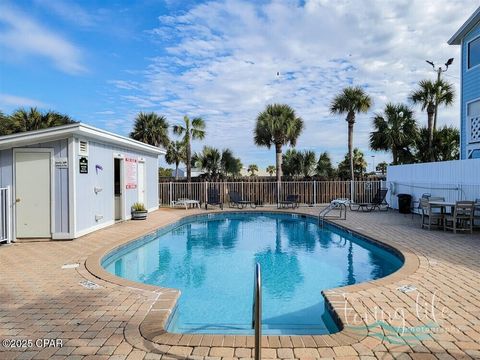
{"points": [[438, 319]]}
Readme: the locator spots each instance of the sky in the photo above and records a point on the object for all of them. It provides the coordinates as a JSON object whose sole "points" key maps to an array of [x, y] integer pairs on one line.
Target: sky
{"points": [[104, 62]]}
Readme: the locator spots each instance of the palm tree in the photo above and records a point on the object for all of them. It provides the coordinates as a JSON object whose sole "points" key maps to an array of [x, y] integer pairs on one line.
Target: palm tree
{"points": [[395, 130], [449, 140], [230, 165], [277, 125], [22, 120], [151, 129], [209, 160], [428, 95], [175, 155], [291, 163], [445, 145], [191, 130], [359, 164], [252, 169], [382, 167], [270, 170], [351, 101], [307, 163], [324, 166]]}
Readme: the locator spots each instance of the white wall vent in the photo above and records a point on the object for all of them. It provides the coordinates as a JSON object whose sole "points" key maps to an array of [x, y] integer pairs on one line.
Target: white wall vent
{"points": [[83, 147]]}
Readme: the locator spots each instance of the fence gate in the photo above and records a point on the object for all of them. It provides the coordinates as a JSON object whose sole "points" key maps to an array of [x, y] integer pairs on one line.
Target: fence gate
{"points": [[5, 216]]}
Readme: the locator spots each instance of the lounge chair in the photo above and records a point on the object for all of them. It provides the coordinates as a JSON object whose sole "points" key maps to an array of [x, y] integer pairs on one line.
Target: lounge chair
{"points": [[185, 202], [213, 198], [236, 200], [462, 217], [291, 200], [377, 202], [431, 216]]}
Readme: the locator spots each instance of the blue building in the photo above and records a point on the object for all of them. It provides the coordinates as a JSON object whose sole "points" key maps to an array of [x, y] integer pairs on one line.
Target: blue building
{"points": [[468, 37]]}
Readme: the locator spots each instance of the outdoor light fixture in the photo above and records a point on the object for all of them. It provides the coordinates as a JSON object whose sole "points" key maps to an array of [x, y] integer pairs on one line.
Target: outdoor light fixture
{"points": [[439, 72]]}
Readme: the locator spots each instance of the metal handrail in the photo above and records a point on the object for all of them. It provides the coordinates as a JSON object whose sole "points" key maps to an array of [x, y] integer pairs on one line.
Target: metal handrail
{"points": [[257, 311]]}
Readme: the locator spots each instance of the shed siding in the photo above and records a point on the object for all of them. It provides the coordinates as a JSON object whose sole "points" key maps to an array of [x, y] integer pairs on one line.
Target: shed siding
{"points": [[89, 204], [6, 168], [60, 149], [470, 86]]}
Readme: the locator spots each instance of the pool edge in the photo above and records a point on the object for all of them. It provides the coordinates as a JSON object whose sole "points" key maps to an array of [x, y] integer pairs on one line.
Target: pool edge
{"points": [[152, 326]]}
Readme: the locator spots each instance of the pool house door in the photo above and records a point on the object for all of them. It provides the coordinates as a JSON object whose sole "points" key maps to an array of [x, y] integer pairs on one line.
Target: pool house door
{"points": [[33, 189], [141, 182]]}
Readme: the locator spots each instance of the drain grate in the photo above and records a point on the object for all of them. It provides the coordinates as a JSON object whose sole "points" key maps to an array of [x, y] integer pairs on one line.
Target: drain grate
{"points": [[89, 284], [406, 288], [70, 266]]}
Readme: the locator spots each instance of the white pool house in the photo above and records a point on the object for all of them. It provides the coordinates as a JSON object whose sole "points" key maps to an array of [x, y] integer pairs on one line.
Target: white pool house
{"points": [[67, 181]]}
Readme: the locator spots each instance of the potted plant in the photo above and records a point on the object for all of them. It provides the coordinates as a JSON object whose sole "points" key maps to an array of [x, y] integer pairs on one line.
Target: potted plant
{"points": [[138, 211]]}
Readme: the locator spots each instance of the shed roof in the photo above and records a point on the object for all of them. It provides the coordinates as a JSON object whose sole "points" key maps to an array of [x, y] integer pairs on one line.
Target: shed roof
{"points": [[473, 20], [79, 130]]}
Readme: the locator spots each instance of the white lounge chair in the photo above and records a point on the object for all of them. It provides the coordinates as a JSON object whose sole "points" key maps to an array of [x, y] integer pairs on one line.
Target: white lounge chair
{"points": [[185, 202]]}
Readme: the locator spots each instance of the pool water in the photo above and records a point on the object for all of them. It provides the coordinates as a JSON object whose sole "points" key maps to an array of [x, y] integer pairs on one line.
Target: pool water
{"points": [[210, 259]]}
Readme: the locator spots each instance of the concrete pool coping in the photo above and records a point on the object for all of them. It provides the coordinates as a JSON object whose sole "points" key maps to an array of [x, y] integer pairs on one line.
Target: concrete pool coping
{"points": [[150, 330]]}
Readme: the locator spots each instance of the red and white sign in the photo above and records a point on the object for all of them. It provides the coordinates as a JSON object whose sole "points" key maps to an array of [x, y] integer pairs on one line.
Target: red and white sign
{"points": [[131, 173]]}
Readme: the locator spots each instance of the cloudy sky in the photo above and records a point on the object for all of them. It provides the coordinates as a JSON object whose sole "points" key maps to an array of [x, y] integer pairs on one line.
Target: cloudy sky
{"points": [[219, 60]]}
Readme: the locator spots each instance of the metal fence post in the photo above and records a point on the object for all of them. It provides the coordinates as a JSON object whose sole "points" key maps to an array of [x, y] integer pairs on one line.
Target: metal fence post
{"points": [[352, 190], [170, 194], [206, 189]]}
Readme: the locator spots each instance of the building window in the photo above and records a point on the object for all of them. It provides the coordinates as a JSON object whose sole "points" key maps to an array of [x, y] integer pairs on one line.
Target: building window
{"points": [[474, 53], [473, 108]]}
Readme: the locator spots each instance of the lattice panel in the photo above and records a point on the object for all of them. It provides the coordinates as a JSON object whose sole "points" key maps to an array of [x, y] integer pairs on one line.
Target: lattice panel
{"points": [[475, 129]]}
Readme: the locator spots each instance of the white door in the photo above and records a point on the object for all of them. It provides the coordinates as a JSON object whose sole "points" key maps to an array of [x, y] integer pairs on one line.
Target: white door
{"points": [[141, 183], [32, 194]]}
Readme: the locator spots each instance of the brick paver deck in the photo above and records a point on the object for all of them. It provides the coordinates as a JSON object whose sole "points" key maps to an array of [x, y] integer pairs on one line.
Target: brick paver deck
{"points": [[40, 300]]}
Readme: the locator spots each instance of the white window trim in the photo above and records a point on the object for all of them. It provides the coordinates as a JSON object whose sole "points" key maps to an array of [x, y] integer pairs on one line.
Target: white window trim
{"points": [[52, 186], [467, 50], [467, 122]]}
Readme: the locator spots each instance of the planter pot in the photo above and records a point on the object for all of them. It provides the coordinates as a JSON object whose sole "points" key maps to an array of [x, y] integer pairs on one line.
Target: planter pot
{"points": [[139, 215]]}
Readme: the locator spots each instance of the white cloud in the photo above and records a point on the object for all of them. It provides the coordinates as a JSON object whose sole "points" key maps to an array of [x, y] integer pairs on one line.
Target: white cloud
{"points": [[69, 11], [223, 59], [22, 36], [12, 101]]}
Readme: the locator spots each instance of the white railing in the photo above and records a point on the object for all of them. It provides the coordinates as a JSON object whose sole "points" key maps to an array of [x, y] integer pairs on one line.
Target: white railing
{"points": [[5, 215], [450, 192], [310, 193]]}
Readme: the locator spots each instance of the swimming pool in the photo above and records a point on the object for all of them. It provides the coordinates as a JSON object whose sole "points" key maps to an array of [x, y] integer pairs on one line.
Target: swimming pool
{"points": [[210, 259]]}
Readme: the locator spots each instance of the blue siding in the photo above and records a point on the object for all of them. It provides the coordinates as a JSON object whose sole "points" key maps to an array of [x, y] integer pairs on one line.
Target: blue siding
{"points": [[470, 86]]}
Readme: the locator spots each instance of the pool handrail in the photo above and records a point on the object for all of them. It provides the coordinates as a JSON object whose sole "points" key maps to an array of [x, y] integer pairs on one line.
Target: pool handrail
{"points": [[257, 311]]}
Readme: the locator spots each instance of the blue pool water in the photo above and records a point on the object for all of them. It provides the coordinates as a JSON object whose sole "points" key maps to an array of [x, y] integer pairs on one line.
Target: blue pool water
{"points": [[211, 258]]}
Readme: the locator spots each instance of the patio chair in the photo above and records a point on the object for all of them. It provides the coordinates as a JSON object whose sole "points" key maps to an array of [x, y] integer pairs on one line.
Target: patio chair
{"points": [[476, 214], [416, 204], [462, 217], [236, 200], [213, 198], [291, 200], [431, 217], [377, 202]]}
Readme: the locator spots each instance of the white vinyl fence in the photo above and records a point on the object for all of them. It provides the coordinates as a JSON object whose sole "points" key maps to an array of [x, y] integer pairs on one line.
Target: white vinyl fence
{"points": [[453, 180], [270, 193], [5, 215]]}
